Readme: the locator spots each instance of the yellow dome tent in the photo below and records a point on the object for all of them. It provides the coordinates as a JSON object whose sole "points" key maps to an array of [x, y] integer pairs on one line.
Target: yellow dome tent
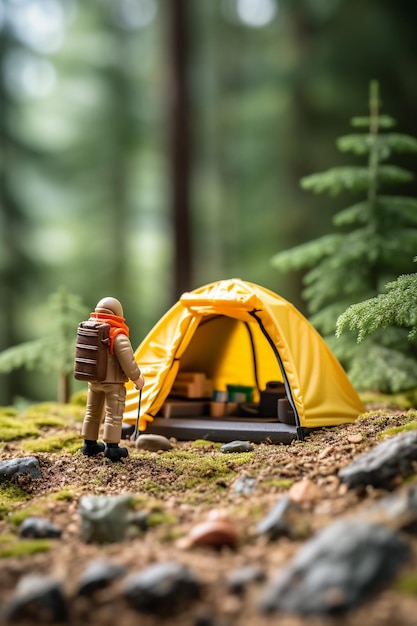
{"points": [[238, 333]]}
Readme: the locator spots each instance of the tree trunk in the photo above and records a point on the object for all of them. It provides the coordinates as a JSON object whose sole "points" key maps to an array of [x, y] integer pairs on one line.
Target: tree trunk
{"points": [[180, 148]]}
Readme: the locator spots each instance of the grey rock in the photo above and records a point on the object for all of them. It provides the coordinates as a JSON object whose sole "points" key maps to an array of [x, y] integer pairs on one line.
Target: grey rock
{"points": [[391, 457], [398, 510], [237, 446], [244, 485], [162, 587], [98, 575], [237, 580], [337, 569], [104, 518], [17, 467], [39, 527], [37, 599], [280, 519], [139, 520], [153, 443]]}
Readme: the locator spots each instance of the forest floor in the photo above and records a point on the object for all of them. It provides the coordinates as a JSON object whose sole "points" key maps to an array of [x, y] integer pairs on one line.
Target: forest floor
{"points": [[178, 489]]}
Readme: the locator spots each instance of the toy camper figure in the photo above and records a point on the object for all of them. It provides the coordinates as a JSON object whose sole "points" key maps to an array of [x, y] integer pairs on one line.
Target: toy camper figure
{"points": [[104, 357]]}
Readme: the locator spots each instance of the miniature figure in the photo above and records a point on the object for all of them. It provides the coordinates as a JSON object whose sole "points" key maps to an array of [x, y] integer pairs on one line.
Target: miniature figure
{"points": [[108, 391]]}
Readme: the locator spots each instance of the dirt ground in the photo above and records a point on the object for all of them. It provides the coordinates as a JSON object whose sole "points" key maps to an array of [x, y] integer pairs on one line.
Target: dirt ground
{"points": [[182, 493]]}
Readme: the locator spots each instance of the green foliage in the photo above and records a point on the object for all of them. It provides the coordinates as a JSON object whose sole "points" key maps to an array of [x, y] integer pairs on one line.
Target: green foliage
{"points": [[54, 352], [24, 547], [68, 442], [396, 307], [31, 422], [15, 428], [376, 241], [10, 496]]}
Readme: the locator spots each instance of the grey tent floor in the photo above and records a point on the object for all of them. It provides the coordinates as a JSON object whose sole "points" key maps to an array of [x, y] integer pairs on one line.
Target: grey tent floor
{"points": [[223, 430]]}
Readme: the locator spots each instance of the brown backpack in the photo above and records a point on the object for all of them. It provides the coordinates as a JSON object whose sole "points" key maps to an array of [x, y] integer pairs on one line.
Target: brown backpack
{"points": [[91, 351]]}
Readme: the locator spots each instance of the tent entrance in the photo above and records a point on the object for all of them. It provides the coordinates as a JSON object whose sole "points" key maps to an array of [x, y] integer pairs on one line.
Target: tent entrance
{"points": [[228, 352]]}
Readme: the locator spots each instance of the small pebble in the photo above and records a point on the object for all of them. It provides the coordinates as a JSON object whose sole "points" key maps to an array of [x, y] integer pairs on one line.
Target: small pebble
{"points": [[18, 467], [398, 510], [139, 520], [153, 443], [36, 599], [39, 528], [161, 588], [218, 530], [98, 574], [238, 579], [104, 518], [325, 452], [244, 485], [237, 446], [305, 491], [280, 519], [355, 438]]}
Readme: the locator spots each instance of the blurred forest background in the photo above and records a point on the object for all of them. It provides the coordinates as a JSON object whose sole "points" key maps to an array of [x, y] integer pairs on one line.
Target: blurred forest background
{"points": [[148, 147]]}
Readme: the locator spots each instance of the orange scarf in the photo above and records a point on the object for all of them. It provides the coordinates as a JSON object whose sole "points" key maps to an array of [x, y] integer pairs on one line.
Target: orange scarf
{"points": [[117, 326]]}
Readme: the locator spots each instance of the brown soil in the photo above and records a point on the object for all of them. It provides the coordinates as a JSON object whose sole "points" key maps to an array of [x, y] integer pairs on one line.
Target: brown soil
{"points": [[159, 488]]}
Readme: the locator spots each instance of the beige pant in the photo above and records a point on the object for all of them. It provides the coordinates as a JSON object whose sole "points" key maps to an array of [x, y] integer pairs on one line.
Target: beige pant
{"points": [[107, 398]]}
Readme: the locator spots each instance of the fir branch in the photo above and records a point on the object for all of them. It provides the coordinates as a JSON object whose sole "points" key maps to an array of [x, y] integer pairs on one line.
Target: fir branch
{"points": [[29, 355], [385, 121], [385, 145], [307, 254], [357, 213], [55, 351], [403, 209], [392, 174], [395, 307], [337, 179]]}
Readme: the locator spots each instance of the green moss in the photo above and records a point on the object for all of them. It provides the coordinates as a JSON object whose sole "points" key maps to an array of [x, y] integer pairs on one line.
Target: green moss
{"points": [[157, 517], [64, 413], [203, 443], [407, 583], [151, 487], [8, 411], [68, 442], [63, 496], [282, 483], [191, 483], [45, 421], [390, 432], [29, 424], [17, 517], [209, 466], [172, 534], [24, 547], [16, 428], [394, 401], [79, 398], [10, 496]]}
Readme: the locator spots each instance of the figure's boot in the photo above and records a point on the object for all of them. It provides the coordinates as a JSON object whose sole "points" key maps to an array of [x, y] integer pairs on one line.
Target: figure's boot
{"points": [[92, 447], [114, 452]]}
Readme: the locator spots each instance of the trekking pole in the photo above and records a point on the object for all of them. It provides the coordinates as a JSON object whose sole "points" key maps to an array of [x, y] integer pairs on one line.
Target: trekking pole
{"points": [[136, 431]]}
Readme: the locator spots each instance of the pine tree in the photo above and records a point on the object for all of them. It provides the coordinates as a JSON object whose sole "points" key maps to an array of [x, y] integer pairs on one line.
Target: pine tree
{"points": [[376, 241], [53, 353]]}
